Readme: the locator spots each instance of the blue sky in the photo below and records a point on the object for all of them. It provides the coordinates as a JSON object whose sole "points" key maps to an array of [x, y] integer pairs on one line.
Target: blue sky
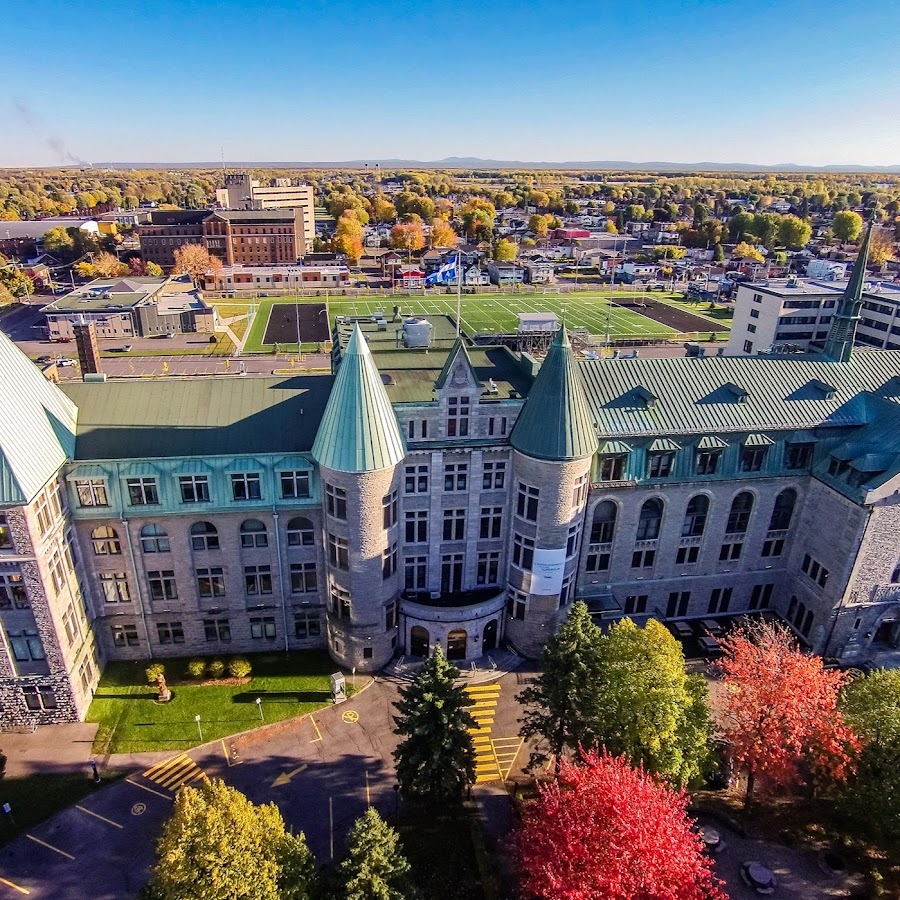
{"points": [[763, 81]]}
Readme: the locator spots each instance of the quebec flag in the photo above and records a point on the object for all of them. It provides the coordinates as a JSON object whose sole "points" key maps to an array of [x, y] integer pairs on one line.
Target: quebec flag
{"points": [[444, 274]]}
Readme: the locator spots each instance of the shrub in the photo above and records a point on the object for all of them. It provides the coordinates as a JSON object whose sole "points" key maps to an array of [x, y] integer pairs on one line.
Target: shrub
{"points": [[197, 668], [152, 671], [216, 668], [239, 667]]}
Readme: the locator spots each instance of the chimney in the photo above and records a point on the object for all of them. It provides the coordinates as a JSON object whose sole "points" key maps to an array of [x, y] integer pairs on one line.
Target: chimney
{"points": [[86, 342]]}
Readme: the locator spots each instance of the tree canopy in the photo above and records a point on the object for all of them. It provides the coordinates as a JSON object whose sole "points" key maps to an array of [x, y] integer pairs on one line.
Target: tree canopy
{"points": [[505, 250], [375, 867], [436, 756], [217, 845], [607, 831], [847, 226]]}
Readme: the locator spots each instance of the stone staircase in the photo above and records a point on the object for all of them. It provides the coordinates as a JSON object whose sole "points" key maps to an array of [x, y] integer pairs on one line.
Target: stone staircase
{"points": [[486, 668]]}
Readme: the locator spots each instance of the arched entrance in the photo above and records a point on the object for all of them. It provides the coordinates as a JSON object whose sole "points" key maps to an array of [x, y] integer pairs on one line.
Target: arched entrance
{"points": [[456, 644], [489, 638], [418, 641], [887, 634]]}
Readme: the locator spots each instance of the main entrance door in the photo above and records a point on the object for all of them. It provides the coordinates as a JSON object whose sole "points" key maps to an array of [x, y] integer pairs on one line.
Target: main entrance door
{"points": [[418, 641], [489, 638], [456, 644]]}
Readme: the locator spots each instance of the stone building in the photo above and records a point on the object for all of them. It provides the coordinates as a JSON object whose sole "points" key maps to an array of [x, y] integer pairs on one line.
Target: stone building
{"points": [[441, 495]]}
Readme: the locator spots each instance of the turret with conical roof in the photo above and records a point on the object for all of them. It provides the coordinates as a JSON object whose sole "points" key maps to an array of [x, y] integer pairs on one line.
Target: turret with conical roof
{"points": [[556, 422], [839, 344], [359, 431]]}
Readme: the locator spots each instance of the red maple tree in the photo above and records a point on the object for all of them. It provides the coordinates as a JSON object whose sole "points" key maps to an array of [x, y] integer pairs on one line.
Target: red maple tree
{"points": [[779, 711], [607, 831]]}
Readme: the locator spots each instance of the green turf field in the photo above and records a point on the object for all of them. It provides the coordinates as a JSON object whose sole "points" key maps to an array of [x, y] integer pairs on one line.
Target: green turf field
{"points": [[483, 313]]}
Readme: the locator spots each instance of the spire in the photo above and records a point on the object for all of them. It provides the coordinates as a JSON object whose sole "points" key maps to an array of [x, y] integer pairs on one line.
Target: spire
{"points": [[556, 421], [458, 368], [359, 431], [839, 344]]}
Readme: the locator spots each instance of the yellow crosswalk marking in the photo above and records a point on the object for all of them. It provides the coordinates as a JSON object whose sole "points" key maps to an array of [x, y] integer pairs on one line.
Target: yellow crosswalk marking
{"points": [[474, 688], [174, 773]]}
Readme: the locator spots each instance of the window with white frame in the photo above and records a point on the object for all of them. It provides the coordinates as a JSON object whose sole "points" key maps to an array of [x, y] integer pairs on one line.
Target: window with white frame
{"points": [[458, 416], [307, 623], [91, 492], [124, 635], [170, 632], [493, 476], [336, 502], [142, 491], [162, 584], [516, 604], [5, 535], [246, 486], [415, 480], [12, 592], [263, 628], [194, 488], [294, 484], [456, 476], [300, 532], [105, 541], [523, 552], [303, 578], [114, 587], [488, 568], [415, 573], [527, 502], [211, 581]]}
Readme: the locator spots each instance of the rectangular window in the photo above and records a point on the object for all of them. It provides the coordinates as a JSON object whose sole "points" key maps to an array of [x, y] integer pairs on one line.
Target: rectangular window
{"points": [[211, 581], [142, 491], [170, 632], [71, 624], [303, 578], [454, 524], [456, 476], [773, 547], [257, 580], [124, 635], [162, 584], [306, 623], [340, 602], [515, 605], [416, 530], [523, 552], [389, 510], [26, 645], [294, 485], [114, 587], [416, 480], [336, 502], [194, 488], [708, 461], [719, 600], [488, 567], [263, 628], [635, 604], [754, 313], [5, 536], [752, 458], [217, 630], [686, 555], [338, 552], [527, 502], [677, 606], [451, 572], [39, 697], [458, 417], [491, 522], [12, 592], [760, 596], [415, 573], [748, 346], [246, 486], [57, 571], [105, 541], [729, 552], [91, 492], [572, 540], [659, 465], [798, 456], [389, 561], [816, 571], [580, 491], [611, 468], [643, 559], [597, 562], [494, 476]]}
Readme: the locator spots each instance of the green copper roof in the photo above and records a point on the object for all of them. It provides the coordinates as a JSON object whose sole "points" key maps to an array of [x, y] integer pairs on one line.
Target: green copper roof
{"points": [[459, 350], [556, 421], [37, 427], [359, 431], [839, 343]]}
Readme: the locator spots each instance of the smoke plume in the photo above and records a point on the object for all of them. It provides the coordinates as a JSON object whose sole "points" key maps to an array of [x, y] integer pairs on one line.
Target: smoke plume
{"points": [[53, 142]]}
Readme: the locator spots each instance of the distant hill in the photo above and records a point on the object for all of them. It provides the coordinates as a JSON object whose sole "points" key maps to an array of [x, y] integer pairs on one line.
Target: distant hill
{"points": [[474, 162]]}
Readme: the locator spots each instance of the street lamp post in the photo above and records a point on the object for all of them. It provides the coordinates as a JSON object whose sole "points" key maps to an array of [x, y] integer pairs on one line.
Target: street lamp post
{"points": [[262, 718]]}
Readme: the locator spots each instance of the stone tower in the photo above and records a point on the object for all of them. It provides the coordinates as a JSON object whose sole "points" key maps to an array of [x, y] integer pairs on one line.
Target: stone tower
{"points": [[554, 442], [358, 447]]}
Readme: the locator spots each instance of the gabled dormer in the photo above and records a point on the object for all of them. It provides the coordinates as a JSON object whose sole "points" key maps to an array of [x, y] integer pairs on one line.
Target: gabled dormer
{"points": [[457, 390]]}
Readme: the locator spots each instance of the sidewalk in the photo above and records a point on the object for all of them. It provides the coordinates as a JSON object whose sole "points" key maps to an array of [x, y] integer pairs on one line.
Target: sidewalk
{"points": [[51, 749]]}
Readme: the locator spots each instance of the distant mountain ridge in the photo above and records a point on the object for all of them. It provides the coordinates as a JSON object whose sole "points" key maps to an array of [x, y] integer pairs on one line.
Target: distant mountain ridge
{"points": [[474, 162]]}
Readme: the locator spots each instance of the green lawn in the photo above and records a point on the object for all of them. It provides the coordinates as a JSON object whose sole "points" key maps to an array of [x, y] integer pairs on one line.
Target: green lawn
{"points": [[721, 316], [290, 684]]}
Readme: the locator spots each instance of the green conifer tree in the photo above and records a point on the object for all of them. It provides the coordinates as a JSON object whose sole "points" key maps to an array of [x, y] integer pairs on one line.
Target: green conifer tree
{"points": [[436, 758], [375, 868]]}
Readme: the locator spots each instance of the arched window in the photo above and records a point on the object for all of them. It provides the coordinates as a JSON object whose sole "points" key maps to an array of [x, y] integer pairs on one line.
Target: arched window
{"points": [[650, 520], [695, 516], [105, 541], [253, 534], [895, 577], [783, 511], [300, 533], [154, 539], [739, 517], [204, 536], [603, 526]]}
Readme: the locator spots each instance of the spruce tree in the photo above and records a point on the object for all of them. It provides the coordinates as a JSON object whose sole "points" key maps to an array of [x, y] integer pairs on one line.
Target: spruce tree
{"points": [[562, 702], [375, 868], [436, 759]]}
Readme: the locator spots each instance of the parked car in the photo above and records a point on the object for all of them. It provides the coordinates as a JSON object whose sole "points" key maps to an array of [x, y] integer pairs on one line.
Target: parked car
{"points": [[66, 361], [44, 360]]}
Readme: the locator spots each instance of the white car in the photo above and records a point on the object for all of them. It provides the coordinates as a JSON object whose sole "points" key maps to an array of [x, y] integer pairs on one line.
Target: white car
{"points": [[66, 361]]}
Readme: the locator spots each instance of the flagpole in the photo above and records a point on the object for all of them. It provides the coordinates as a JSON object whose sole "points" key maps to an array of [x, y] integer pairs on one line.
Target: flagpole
{"points": [[458, 289]]}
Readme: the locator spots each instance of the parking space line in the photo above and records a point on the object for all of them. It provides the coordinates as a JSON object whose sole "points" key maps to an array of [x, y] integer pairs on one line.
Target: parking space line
{"points": [[90, 812], [318, 733], [31, 837], [144, 787], [14, 886]]}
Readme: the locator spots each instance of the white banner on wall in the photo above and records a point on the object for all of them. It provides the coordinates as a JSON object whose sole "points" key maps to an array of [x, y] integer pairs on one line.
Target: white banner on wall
{"points": [[547, 571]]}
